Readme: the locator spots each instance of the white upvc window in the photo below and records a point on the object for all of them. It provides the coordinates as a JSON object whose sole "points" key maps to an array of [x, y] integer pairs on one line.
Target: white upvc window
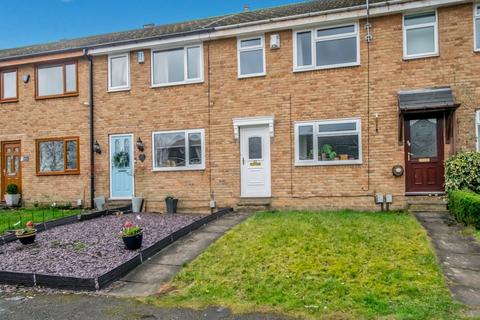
{"points": [[420, 35], [477, 128], [251, 57], [177, 66], [476, 27], [328, 142], [178, 150], [119, 72], [327, 47]]}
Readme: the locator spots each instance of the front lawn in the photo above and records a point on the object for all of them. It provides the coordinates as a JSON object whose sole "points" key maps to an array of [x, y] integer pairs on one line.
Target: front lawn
{"points": [[336, 265], [38, 215]]}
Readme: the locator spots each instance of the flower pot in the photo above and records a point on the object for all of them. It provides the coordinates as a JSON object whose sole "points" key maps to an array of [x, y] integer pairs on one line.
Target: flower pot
{"points": [[99, 203], [133, 242], [171, 204], [28, 238], [12, 199], [137, 204]]}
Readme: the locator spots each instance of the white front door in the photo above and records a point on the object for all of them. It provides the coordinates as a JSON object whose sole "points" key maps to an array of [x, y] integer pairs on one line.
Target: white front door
{"points": [[255, 162]]}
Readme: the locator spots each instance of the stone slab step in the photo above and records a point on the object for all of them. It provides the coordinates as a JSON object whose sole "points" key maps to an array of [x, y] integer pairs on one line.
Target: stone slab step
{"points": [[254, 202]]}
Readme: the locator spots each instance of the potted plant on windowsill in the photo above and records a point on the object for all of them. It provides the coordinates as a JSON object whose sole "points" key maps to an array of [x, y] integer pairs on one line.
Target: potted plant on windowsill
{"points": [[171, 204], [12, 198], [26, 235], [132, 236]]}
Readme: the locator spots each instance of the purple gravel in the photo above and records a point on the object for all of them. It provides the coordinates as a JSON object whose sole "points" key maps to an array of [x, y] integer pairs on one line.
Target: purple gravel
{"points": [[87, 249]]}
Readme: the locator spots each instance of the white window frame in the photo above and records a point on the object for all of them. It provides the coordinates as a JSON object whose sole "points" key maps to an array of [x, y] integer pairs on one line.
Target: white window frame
{"points": [[254, 48], [477, 124], [315, 124], [476, 46], [187, 167], [185, 66], [435, 53], [119, 88], [315, 39]]}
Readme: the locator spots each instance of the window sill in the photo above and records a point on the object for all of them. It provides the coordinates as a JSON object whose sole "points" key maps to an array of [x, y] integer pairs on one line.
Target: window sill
{"points": [[336, 66], [111, 90], [421, 56], [176, 84], [9, 100], [75, 94], [40, 174], [329, 163], [167, 169], [254, 75]]}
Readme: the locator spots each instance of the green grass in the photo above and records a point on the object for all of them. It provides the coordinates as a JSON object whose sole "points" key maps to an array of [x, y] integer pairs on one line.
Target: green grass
{"points": [[37, 215], [335, 265]]}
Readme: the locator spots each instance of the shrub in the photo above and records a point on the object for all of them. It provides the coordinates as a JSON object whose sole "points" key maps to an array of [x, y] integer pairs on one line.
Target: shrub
{"points": [[465, 206], [462, 171], [12, 189]]}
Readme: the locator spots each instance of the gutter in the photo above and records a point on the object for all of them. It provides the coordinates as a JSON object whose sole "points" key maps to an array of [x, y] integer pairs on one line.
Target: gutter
{"points": [[92, 153]]}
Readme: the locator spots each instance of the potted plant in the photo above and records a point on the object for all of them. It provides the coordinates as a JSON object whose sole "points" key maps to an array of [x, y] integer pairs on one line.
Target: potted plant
{"points": [[12, 198], [137, 204], [26, 235], [327, 151], [171, 204], [132, 236]]}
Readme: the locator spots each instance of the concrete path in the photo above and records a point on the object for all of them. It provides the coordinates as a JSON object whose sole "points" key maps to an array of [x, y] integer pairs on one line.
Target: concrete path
{"points": [[149, 277], [459, 256]]}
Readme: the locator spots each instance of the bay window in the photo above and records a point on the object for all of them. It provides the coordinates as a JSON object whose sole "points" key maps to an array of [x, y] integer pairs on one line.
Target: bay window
{"points": [[420, 35], [251, 57], [57, 156], [119, 72], [56, 80], [177, 66], [329, 47], [8, 85], [328, 142], [179, 150]]}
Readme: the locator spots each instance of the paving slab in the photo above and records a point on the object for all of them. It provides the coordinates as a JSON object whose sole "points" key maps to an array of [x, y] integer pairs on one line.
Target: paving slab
{"points": [[148, 278], [459, 256]]}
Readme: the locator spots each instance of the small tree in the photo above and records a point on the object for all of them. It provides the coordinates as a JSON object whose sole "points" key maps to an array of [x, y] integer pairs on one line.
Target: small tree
{"points": [[12, 189]]}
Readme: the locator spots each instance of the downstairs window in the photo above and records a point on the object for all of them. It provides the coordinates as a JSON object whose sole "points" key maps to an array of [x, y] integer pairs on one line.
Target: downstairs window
{"points": [[179, 150], [328, 142], [57, 156]]}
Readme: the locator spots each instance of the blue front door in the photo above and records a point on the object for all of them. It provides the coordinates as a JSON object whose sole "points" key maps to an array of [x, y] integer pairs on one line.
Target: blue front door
{"points": [[121, 166]]}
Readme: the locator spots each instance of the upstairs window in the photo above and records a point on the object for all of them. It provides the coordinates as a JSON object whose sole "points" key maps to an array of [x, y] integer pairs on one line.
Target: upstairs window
{"points": [[58, 156], [119, 72], [251, 57], [420, 35], [179, 150], [476, 36], [328, 142], [177, 66], [8, 85], [336, 46], [57, 80]]}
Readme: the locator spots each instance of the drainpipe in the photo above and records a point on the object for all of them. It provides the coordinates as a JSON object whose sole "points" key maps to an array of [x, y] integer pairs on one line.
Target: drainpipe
{"points": [[92, 140]]}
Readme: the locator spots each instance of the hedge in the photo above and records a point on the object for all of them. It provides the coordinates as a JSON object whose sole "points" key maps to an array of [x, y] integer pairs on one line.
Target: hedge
{"points": [[465, 206], [462, 171]]}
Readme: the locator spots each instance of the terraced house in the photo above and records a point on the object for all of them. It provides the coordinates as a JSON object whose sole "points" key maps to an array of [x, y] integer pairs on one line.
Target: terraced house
{"points": [[314, 105]]}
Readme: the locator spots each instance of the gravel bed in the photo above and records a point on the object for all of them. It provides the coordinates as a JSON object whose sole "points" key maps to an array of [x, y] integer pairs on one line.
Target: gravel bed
{"points": [[87, 249]]}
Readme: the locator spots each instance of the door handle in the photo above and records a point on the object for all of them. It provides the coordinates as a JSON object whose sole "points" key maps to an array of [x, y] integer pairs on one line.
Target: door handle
{"points": [[409, 154], [243, 161], [409, 143]]}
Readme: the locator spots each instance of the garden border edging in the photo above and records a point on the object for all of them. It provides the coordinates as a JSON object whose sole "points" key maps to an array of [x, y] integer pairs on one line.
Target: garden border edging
{"points": [[94, 284]]}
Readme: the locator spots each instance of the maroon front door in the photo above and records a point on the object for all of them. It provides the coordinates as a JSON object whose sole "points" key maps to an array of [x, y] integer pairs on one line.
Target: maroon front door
{"points": [[424, 154]]}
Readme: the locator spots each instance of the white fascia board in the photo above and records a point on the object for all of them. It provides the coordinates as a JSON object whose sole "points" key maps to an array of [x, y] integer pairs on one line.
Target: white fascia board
{"points": [[283, 23]]}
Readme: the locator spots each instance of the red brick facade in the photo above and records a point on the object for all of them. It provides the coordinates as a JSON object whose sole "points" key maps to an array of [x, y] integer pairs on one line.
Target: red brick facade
{"points": [[359, 91]]}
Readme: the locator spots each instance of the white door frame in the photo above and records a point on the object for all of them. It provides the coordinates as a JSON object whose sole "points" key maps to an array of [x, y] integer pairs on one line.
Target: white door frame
{"points": [[266, 158], [110, 164]]}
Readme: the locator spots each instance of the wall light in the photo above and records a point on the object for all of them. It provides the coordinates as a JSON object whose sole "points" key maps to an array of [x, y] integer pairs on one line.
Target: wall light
{"points": [[96, 148], [140, 145]]}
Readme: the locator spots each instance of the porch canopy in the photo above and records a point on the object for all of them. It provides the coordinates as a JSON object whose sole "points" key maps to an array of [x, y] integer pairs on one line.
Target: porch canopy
{"points": [[427, 100]]}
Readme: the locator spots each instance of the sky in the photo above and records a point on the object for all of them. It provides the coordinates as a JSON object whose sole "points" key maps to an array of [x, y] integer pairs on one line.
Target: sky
{"points": [[27, 22]]}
